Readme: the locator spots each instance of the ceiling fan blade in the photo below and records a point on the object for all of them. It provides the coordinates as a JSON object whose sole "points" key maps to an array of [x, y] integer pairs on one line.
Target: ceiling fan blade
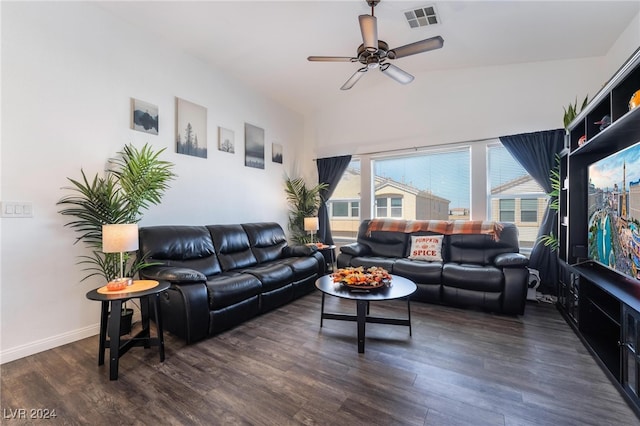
{"points": [[396, 73], [354, 79], [331, 59], [369, 30], [418, 47]]}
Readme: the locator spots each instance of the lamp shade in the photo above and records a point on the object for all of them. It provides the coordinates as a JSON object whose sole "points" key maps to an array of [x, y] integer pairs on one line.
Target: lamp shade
{"points": [[310, 223], [118, 238]]}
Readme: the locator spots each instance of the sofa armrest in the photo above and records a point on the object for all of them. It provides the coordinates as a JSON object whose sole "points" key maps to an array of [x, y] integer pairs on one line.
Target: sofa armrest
{"points": [[355, 249], [173, 274], [511, 260], [299, 251]]}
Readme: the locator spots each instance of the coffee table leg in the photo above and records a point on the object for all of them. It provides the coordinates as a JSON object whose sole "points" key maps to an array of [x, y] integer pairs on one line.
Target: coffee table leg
{"points": [[322, 310], [409, 313], [362, 306]]}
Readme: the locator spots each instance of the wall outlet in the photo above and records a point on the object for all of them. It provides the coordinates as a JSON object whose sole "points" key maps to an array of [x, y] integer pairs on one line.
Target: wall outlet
{"points": [[16, 209]]}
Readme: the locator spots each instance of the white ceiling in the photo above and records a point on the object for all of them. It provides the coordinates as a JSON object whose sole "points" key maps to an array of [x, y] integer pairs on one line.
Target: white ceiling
{"points": [[264, 44]]}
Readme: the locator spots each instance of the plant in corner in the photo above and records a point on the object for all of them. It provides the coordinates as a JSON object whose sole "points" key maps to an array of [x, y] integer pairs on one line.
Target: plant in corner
{"points": [[570, 112], [303, 202], [137, 179]]}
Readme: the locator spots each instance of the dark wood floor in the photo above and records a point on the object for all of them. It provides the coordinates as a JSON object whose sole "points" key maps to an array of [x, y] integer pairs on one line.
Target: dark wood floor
{"points": [[461, 367]]}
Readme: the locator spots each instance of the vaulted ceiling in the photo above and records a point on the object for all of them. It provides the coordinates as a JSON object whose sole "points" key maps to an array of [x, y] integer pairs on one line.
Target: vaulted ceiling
{"points": [[265, 44]]}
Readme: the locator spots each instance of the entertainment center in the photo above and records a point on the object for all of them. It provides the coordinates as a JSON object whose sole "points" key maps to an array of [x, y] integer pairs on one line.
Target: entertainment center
{"points": [[599, 229]]}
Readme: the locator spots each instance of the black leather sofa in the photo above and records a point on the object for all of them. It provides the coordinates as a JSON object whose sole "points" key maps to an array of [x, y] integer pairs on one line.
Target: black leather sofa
{"points": [[222, 275], [476, 269]]}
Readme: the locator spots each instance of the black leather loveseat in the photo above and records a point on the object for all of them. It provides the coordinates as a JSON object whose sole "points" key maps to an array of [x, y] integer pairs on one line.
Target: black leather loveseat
{"points": [[482, 270], [222, 275]]}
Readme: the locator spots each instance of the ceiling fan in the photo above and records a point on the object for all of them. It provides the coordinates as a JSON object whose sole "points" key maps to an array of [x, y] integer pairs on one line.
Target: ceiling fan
{"points": [[374, 53]]}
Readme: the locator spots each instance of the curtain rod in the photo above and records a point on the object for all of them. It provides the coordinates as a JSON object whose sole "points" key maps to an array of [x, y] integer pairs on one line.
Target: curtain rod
{"points": [[417, 148]]}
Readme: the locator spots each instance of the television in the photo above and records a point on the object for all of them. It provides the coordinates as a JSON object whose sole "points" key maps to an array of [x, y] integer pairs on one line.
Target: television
{"points": [[614, 211]]}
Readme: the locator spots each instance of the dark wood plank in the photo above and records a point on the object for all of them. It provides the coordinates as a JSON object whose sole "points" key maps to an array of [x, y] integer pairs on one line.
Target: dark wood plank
{"points": [[460, 367]]}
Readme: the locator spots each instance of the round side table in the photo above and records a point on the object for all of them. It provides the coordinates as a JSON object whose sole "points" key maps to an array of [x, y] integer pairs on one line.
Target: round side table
{"points": [[149, 293]]}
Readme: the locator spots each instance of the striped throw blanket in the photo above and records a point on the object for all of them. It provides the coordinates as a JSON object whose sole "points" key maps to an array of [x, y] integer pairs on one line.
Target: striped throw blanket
{"points": [[444, 227]]}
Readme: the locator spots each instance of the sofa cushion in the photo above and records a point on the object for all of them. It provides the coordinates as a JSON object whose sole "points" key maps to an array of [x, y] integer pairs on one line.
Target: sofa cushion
{"points": [[426, 247], [419, 271], [181, 246], [230, 288], [267, 240], [232, 246], [383, 243], [302, 267], [480, 248], [383, 262], [473, 277], [272, 275]]}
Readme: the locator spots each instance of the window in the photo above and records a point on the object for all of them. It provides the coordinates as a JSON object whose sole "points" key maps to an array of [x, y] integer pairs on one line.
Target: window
{"points": [[528, 210], [343, 208], [389, 207], [355, 209], [381, 207], [344, 205], [339, 208], [396, 207], [513, 195], [507, 210], [426, 185]]}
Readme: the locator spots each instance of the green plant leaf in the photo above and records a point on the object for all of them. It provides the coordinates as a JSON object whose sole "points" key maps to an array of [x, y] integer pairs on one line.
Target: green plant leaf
{"points": [[137, 180], [303, 202]]}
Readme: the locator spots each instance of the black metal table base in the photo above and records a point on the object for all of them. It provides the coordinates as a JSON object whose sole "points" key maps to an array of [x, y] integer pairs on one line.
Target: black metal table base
{"points": [[362, 317]]}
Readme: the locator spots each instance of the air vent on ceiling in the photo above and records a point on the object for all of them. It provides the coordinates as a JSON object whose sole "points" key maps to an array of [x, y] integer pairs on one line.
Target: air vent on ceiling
{"points": [[422, 17]]}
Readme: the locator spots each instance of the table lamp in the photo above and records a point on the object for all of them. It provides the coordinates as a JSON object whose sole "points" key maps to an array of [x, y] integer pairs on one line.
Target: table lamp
{"points": [[118, 238], [311, 225]]}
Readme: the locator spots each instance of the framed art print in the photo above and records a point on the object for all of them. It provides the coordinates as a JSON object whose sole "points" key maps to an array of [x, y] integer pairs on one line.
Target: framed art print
{"points": [[276, 153], [226, 140], [191, 129], [253, 146], [144, 117]]}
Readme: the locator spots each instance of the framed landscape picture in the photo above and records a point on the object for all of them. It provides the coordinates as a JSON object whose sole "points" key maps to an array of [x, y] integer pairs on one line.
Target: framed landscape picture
{"points": [[144, 117], [191, 129], [226, 140], [253, 146], [276, 153]]}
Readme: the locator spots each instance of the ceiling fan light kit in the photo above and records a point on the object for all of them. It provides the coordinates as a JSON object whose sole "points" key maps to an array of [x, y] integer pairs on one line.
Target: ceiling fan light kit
{"points": [[373, 53]]}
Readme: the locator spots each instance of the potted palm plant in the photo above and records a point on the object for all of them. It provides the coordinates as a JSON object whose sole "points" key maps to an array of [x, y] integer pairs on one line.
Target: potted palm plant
{"points": [[136, 180], [570, 112], [303, 202]]}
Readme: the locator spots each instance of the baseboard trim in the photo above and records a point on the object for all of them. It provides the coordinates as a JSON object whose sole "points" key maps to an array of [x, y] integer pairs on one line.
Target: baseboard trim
{"points": [[22, 351]]}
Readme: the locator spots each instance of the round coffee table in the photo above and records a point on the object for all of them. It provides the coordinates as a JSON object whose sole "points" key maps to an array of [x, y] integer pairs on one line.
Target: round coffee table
{"points": [[400, 288]]}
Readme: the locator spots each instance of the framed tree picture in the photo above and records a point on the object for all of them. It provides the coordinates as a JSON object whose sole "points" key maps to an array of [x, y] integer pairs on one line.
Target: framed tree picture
{"points": [[226, 140], [191, 129], [253, 146], [276, 153]]}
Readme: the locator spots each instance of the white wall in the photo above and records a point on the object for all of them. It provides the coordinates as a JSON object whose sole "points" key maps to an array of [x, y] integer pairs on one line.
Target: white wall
{"points": [[68, 73], [454, 106], [623, 48]]}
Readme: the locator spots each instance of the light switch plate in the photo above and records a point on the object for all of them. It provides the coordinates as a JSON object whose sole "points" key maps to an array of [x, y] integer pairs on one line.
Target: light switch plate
{"points": [[17, 209]]}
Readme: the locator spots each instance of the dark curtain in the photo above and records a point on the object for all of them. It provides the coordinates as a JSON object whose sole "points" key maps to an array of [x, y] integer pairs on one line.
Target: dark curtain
{"points": [[536, 153], [330, 170]]}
